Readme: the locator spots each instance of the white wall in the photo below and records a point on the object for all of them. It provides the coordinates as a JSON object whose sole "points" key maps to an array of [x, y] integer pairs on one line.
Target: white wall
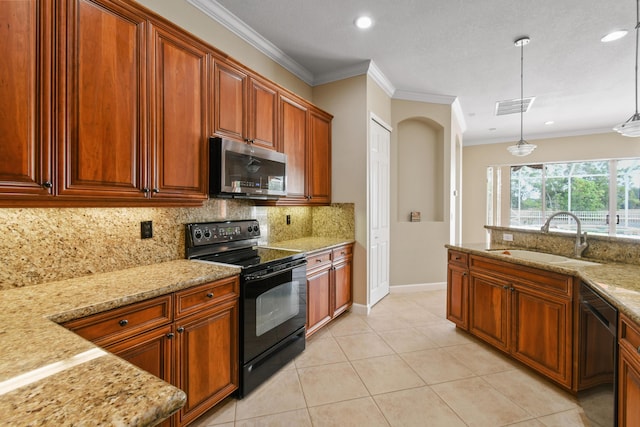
{"points": [[477, 158]]}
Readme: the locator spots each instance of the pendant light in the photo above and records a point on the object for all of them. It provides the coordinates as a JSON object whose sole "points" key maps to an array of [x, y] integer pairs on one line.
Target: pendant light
{"points": [[522, 148], [632, 126]]}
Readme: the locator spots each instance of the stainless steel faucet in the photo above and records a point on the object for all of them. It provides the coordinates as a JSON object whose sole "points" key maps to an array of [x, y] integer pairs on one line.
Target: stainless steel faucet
{"points": [[581, 238]]}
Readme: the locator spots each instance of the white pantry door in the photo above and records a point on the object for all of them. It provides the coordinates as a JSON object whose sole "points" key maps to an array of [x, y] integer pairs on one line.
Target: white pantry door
{"points": [[379, 210]]}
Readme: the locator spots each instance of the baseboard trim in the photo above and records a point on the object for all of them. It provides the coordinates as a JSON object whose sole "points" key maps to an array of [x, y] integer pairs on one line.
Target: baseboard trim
{"points": [[418, 287]]}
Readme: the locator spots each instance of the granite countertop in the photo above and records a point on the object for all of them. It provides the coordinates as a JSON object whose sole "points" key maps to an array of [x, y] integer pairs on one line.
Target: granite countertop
{"points": [[310, 244], [49, 375], [618, 283]]}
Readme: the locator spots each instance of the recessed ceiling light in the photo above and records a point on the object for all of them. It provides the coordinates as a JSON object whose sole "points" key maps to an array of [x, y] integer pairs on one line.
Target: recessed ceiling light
{"points": [[614, 35], [549, 122], [363, 22]]}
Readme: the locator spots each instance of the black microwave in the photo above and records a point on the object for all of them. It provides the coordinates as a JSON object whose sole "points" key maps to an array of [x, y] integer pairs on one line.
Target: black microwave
{"points": [[243, 170]]}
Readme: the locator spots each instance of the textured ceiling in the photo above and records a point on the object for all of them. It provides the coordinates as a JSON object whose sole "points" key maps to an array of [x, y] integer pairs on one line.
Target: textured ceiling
{"points": [[464, 49]]}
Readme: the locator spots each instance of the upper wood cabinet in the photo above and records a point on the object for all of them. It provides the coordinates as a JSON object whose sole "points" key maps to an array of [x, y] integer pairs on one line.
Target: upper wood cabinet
{"points": [[305, 135], [245, 107], [319, 158], [26, 31], [105, 103], [179, 116], [103, 100]]}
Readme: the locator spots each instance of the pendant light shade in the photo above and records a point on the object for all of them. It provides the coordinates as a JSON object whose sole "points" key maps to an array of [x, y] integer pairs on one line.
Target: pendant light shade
{"points": [[522, 148], [632, 126]]}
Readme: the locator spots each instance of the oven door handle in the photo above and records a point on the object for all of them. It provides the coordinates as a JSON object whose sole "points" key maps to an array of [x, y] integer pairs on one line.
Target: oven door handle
{"points": [[261, 276]]}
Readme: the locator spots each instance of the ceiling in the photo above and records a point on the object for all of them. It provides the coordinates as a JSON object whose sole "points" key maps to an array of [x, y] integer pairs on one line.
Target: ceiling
{"points": [[446, 50]]}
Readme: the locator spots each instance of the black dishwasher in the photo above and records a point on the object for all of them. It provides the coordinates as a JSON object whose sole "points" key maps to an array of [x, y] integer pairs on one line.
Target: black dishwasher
{"points": [[598, 357]]}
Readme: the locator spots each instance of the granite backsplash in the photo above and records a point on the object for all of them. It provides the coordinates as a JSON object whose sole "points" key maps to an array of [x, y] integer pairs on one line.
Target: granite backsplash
{"points": [[40, 245], [602, 248]]}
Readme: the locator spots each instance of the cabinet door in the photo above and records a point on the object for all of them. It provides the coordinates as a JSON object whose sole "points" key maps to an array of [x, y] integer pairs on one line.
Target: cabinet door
{"points": [[489, 309], [318, 299], [541, 336], [207, 359], [25, 121], [628, 388], [103, 92], [230, 102], [151, 351], [458, 296], [342, 273], [293, 119], [319, 159], [179, 117], [263, 123]]}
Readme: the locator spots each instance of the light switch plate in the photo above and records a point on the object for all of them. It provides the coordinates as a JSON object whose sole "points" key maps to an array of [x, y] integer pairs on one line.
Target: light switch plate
{"points": [[507, 237], [146, 229]]}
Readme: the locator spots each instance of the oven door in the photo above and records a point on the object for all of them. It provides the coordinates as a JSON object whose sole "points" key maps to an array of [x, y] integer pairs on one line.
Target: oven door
{"points": [[274, 307]]}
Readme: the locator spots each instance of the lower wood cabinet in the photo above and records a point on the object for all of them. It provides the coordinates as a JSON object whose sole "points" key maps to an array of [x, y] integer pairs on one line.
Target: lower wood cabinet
{"points": [[628, 373], [329, 285], [188, 338], [524, 311]]}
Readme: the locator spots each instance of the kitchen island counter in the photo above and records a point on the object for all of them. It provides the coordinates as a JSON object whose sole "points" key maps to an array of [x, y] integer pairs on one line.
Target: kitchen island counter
{"points": [[618, 283], [49, 375]]}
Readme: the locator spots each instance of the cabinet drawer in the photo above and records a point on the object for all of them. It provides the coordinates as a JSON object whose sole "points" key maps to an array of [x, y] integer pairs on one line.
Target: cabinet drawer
{"points": [[201, 297], [629, 335], [113, 325], [458, 258], [318, 259], [341, 252], [543, 280]]}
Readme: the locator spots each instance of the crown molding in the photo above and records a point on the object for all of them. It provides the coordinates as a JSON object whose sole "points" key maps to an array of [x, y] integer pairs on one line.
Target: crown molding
{"points": [[343, 73], [431, 98], [539, 136], [220, 14], [378, 76]]}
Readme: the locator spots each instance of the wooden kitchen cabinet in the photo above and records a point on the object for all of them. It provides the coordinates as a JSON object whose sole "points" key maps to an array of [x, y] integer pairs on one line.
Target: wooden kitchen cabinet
{"points": [[245, 107], [329, 285], [319, 158], [102, 140], [188, 338], [179, 117], [526, 312], [458, 289], [26, 31], [207, 359], [318, 291], [628, 373], [305, 134]]}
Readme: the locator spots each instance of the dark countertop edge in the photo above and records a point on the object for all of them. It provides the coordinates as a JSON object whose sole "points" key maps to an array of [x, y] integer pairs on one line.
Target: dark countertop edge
{"points": [[579, 272]]}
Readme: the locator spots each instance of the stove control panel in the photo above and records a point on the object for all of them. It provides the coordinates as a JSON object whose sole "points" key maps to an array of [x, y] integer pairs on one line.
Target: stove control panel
{"points": [[207, 233]]}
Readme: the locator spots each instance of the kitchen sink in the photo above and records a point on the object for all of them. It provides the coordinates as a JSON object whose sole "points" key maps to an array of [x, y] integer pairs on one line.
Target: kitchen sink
{"points": [[544, 257]]}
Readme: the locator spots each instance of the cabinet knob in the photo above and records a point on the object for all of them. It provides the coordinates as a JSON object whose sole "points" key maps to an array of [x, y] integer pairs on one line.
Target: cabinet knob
{"points": [[318, 260], [47, 184], [156, 190], [123, 322], [505, 287], [210, 295], [180, 329], [465, 274], [145, 190], [170, 335], [457, 258]]}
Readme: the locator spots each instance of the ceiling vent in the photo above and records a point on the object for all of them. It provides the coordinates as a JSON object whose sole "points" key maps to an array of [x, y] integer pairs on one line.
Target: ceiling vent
{"points": [[512, 106]]}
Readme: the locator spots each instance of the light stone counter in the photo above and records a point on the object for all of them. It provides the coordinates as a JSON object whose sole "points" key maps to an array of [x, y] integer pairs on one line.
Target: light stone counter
{"points": [[617, 283], [310, 244], [51, 376]]}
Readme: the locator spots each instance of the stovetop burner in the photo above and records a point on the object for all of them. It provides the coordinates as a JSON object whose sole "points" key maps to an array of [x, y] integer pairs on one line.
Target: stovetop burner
{"points": [[235, 243]]}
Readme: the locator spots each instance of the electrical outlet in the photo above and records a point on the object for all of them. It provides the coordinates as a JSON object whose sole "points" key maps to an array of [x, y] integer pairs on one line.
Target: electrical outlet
{"points": [[288, 219], [146, 229], [507, 237]]}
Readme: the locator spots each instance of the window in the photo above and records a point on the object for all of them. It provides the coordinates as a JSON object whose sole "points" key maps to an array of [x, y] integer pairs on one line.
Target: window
{"points": [[604, 194]]}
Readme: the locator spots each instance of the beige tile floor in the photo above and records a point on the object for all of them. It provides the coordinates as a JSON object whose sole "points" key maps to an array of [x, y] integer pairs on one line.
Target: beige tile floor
{"points": [[403, 365]]}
